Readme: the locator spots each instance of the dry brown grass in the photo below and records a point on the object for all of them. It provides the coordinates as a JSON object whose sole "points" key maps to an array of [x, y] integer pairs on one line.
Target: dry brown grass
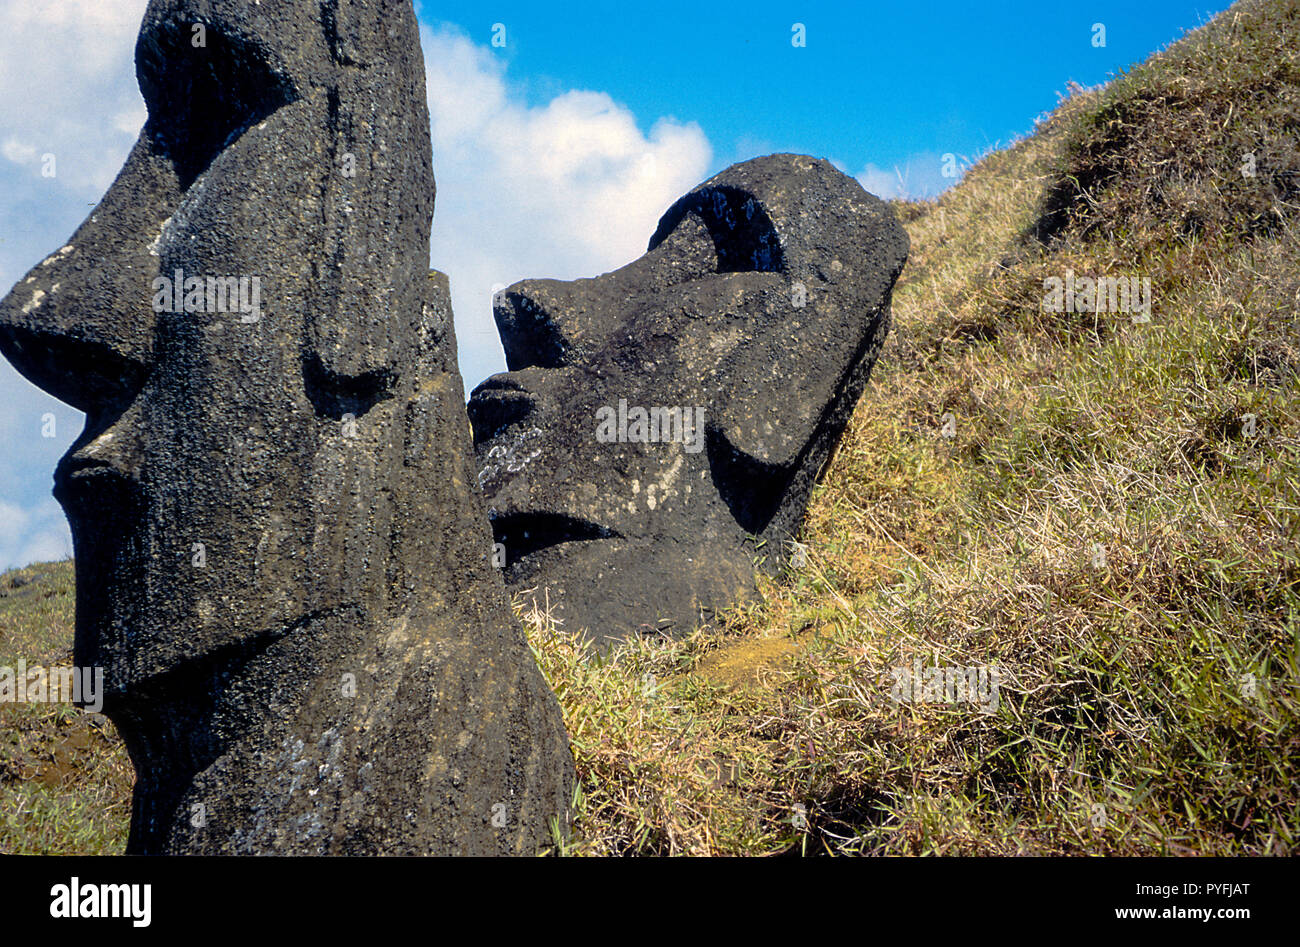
{"points": [[1104, 526]]}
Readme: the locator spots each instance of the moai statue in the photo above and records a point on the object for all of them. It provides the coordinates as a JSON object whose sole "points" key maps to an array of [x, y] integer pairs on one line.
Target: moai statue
{"points": [[283, 562], [661, 427]]}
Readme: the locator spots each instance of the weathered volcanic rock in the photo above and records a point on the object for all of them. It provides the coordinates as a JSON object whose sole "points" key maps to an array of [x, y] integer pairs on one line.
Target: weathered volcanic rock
{"points": [[282, 560], [754, 319]]}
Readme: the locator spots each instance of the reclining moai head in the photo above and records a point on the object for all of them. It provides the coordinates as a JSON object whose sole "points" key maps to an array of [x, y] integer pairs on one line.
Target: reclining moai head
{"points": [[282, 560], [661, 426]]}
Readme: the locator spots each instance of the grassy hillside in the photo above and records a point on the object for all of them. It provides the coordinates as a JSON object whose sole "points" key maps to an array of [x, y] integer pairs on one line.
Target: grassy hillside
{"points": [[1101, 527], [65, 780], [1103, 510]]}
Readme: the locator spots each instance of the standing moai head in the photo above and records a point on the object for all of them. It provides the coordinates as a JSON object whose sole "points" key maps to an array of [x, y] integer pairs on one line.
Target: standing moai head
{"points": [[282, 561], [661, 426]]}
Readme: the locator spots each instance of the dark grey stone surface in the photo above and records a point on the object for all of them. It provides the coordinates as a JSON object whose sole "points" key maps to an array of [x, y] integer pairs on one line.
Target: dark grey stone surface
{"points": [[283, 562], [758, 311]]}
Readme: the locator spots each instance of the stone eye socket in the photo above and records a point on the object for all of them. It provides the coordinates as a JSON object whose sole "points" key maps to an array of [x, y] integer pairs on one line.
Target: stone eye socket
{"points": [[333, 395], [201, 98]]}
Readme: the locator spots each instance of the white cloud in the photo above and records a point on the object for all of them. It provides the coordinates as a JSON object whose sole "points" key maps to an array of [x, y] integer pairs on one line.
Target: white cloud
{"points": [[18, 152], [36, 534], [565, 189], [920, 176], [13, 523], [67, 81], [886, 185]]}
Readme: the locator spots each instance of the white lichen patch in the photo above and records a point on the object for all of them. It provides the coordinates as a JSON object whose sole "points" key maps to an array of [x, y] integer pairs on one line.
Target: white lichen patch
{"points": [[514, 457], [37, 298], [659, 491], [157, 241]]}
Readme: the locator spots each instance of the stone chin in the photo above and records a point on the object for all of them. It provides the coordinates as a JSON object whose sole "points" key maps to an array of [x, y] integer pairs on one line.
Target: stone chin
{"points": [[105, 517]]}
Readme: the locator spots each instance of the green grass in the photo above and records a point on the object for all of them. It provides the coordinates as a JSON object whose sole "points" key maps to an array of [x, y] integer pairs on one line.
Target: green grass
{"points": [[1114, 525], [65, 780]]}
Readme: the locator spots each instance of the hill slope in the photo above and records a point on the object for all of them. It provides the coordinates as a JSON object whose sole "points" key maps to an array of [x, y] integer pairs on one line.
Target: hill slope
{"points": [[1107, 525], [1094, 510]]}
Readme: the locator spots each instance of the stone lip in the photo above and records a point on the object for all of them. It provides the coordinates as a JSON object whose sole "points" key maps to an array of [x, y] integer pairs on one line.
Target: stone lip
{"points": [[283, 560], [746, 333]]}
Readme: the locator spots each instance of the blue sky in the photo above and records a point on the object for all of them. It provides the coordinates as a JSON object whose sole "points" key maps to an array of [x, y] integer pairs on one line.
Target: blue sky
{"points": [[556, 152], [877, 83]]}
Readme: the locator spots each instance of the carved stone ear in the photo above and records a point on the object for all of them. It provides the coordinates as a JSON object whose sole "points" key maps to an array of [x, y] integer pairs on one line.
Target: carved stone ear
{"points": [[374, 229], [794, 370], [787, 407], [787, 394], [744, 236]]}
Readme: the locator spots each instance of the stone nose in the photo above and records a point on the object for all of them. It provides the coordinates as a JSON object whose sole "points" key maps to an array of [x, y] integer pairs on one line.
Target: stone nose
{"points": [[533, 319], [80, 324], [545, 323]]}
